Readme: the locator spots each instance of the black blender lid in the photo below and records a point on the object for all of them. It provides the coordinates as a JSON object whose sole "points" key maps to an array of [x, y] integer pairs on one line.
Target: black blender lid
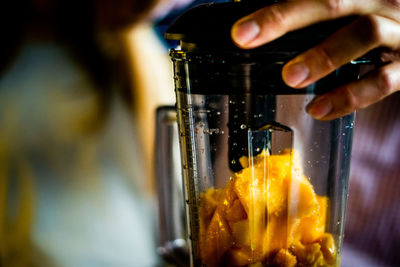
{"points": [[208, 26]]}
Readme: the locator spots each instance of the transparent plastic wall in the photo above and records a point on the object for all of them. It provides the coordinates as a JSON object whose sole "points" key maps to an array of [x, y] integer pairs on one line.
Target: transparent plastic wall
{"points": [[280, 200]]}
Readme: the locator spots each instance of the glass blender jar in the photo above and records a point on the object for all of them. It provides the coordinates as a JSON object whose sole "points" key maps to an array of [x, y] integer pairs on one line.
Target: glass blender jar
{"points": [[264, 183]]}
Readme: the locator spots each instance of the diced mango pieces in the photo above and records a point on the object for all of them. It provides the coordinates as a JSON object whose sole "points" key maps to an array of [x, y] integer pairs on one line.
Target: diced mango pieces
{"points": [[243, 257], [209, 202], [302, 198], [284, 258], [257, 264], [258, 186], [240, 234], [235, 212], [227, 200], [277, 234], [268, 213], [239, 257], [328, 248], [218, 240], [309, 254], [244, 162], [311, 228]]}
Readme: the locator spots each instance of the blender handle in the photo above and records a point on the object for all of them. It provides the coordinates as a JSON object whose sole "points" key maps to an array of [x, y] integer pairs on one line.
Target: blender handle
{"points": [[172, 246]]}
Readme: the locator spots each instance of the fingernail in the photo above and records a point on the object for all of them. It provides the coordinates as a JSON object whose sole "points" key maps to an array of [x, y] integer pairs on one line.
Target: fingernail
{"points": [[245, 31], [320, 108], [295, 74]]}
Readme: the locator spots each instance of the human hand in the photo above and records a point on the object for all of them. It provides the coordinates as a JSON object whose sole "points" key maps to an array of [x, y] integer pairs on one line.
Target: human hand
{"points": [[378, 25]]}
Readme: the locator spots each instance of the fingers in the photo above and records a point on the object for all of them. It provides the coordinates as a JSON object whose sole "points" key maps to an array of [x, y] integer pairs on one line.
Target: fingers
{"points": [[378, 26], [358, 94], [349, 43], [274, 21]]}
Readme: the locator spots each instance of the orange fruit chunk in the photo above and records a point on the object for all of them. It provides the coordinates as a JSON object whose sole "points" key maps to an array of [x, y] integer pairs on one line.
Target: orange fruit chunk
{"points": [[268, 213]]}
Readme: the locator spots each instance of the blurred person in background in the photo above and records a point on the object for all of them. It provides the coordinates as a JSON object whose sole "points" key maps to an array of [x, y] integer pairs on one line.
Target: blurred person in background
{"points": [[75, 188]]}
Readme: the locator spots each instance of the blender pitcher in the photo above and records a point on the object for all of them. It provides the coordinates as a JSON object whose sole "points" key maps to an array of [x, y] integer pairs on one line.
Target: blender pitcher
{"points": [[264, 183]]}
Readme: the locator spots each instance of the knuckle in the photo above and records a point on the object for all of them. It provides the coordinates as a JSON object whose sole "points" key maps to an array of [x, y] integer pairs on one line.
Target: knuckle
{"points": [[275, 15], [325, 58], [371, 29], [384, 82], [350, 101], [334, 7]]}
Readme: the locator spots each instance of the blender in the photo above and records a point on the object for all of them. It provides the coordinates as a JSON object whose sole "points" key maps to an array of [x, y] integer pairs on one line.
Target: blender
{"points": [[264, 184]]}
